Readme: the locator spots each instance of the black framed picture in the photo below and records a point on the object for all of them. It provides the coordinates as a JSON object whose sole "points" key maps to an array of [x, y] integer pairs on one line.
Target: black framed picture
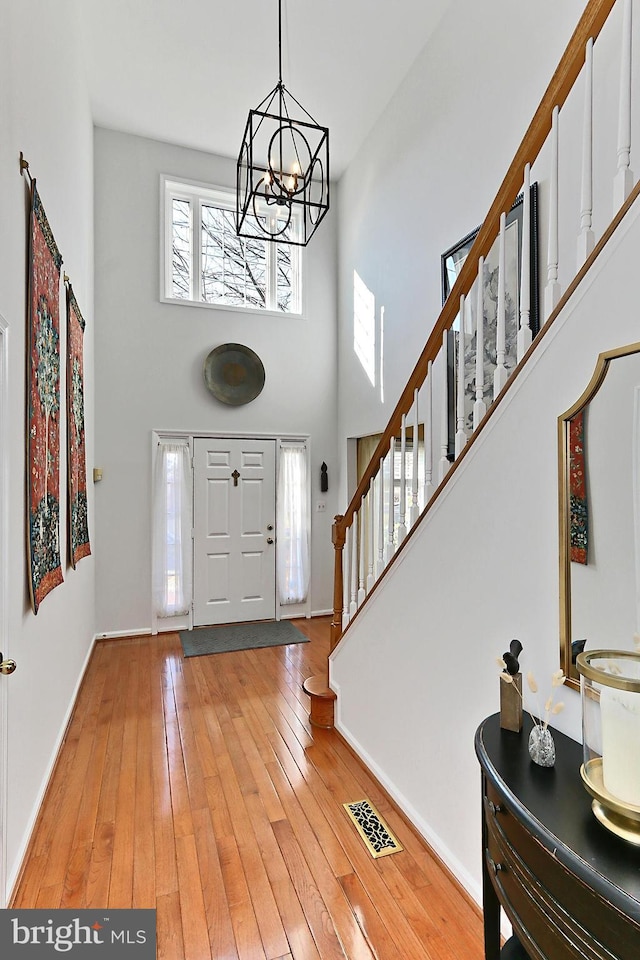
{"points": [[452, 261]]}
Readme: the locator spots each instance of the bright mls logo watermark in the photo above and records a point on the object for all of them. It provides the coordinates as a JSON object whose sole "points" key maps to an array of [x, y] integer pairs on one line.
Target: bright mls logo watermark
{"points": [[83, 934]]}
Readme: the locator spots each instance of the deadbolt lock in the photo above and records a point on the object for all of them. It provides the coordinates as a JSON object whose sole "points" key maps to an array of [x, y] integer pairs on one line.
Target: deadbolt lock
{"points": [[269, 526], [7, 666]]}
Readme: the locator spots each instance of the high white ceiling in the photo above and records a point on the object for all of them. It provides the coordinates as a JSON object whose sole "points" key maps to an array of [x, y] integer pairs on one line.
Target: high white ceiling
{"points": [[188, 71]]}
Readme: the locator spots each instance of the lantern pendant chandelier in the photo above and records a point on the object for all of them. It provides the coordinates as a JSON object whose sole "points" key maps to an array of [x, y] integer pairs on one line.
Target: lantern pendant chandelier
{"points": [[283, 168]]}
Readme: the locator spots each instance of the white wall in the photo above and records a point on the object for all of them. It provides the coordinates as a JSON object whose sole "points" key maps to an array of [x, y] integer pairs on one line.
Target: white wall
{"points": [[149, 374], [43, 112]]}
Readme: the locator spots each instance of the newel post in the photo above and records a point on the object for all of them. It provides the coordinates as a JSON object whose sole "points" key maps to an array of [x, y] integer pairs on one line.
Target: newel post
{"points": [[338, 537], [321, 696]]}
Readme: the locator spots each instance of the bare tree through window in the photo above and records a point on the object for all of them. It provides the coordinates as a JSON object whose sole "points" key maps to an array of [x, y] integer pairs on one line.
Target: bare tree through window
{"points": [[211, 264]]}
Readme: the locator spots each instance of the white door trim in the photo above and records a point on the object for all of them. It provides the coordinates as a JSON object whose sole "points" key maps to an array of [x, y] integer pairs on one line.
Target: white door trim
{"points": [[286, 611], [4, 593]]}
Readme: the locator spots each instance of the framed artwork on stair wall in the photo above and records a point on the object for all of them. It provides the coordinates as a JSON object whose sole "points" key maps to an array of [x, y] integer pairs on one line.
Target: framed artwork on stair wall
{"points": [[452, 261]]}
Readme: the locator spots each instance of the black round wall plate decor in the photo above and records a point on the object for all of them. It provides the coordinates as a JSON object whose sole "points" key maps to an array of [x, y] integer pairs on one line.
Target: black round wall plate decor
{"points": [[234, 373]]}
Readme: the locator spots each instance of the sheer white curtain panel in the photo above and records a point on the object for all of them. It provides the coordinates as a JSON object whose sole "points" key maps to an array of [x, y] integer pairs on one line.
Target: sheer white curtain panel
{"points": [[172, 510], [293, 554]]}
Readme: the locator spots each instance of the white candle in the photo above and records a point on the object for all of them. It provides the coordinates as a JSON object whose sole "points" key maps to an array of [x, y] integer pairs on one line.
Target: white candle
{"points": [[620, 716]]}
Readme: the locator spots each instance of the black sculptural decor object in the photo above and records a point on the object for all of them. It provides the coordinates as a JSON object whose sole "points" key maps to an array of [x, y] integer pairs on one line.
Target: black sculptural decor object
{"points": [[511, 693], [511, 657], [324, 478]]}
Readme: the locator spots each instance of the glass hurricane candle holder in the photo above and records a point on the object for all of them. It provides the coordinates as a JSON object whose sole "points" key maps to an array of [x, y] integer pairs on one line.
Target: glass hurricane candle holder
{"points": [[610, 692]]}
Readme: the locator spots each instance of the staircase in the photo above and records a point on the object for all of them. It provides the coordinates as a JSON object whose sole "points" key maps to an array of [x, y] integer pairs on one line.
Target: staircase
{"points": [[487, 332]]}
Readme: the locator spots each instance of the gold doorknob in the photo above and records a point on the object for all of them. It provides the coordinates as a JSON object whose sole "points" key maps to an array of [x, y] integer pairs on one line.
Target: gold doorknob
{"points": [[7, 666]]}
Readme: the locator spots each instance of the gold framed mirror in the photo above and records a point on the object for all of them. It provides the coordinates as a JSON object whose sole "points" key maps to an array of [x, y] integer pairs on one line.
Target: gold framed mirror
{"points": [[599, 511]]}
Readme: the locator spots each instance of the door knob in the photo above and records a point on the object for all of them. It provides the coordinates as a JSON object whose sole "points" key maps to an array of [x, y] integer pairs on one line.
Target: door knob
{"points": [[7, 666], [269, 539]]}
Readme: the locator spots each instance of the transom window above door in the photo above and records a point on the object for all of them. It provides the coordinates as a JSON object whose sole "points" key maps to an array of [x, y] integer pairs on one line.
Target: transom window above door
{"points": [[204, 262]]}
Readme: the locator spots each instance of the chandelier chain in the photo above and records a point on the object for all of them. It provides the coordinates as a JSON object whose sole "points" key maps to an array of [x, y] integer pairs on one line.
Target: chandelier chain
{"points": [[280, 43]]}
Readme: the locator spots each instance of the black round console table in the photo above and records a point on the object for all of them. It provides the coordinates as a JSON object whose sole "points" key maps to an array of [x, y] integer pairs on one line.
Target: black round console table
{"points": [[570, 888]]}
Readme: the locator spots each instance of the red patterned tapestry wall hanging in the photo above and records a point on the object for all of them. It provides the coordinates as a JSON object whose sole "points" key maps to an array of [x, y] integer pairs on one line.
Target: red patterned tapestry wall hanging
{"points": [[43, 396], [578, 490], [79, 546]]}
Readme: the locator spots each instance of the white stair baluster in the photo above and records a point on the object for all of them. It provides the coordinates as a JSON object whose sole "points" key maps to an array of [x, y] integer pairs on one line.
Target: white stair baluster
{"points": [[444, 412], [586, 237], [402, 526], [346, 578], [390, 547], [380, 516], [500, 375], [524, 329], [623, 183], [371, 527], [428, 437], [353, 573], [362, 542], [414, 512], [479, 407], [461, 435], [552, 289]]}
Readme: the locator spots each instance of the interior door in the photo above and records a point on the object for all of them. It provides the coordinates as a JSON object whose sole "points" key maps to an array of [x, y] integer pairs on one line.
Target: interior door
{"points": [[234, 538]]}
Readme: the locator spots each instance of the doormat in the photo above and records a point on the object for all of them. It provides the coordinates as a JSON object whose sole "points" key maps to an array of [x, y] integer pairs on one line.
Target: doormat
{"points": [[379, 840], [239, 636]]}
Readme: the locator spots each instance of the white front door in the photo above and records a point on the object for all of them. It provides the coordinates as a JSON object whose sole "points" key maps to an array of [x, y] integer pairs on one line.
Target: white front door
{"points": [[234, 538]]}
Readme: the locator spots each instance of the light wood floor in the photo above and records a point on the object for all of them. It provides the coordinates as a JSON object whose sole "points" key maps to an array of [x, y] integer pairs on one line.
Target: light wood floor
{"points": [[199, 788]]}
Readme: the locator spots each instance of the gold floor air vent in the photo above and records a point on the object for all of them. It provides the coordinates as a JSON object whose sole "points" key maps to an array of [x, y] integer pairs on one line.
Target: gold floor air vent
{"points": [[379, 840]]}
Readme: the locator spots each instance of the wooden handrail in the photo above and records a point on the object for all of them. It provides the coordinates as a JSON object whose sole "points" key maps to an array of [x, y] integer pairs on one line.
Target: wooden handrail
{"points": [[590, 25]]}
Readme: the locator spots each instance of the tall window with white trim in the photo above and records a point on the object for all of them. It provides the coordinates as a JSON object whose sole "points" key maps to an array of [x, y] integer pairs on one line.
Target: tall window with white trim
{"points": [[205, 262], [293, 555], [172, 511]]}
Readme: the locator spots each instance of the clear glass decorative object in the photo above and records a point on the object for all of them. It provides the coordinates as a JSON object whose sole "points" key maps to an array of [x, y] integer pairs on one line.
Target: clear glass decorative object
{"points": [[542, 747], [610, 692]]}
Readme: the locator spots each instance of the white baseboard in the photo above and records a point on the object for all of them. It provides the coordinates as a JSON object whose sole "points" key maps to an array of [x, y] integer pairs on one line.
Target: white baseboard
{"points": [[119, 634], [164, 627], [15, 875], [147, 631], [461, 874]]}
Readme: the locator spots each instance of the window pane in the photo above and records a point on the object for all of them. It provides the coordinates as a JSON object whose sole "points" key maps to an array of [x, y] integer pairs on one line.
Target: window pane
{"points": [[181, 249], [172, 530], [284, 277], [215, 266], [233, 269]]}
